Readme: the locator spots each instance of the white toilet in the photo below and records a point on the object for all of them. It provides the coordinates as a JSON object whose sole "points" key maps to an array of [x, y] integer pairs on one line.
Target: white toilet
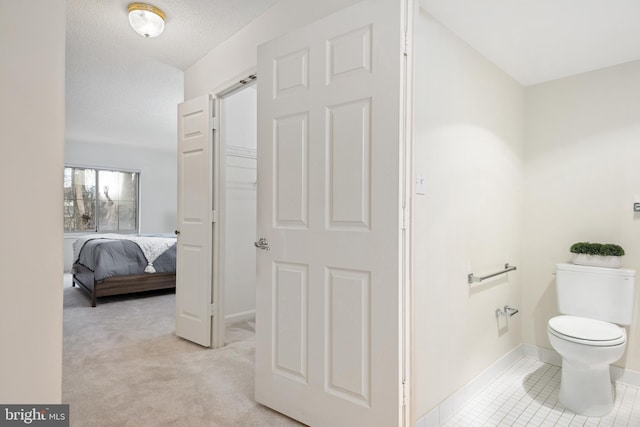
{"points": [[593, 302]]}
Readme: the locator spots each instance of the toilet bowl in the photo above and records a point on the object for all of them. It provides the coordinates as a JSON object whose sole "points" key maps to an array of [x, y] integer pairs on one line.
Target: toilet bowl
{"points": [[587, 347], [593, 302]]}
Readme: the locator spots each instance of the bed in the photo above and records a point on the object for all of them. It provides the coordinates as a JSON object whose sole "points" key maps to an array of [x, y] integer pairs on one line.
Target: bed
{"points": [[111, 264]]}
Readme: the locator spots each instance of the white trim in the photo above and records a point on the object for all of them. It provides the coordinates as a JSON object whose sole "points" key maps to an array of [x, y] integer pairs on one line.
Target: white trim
{"points": [[618, 374], [217, 226], [407, 213], [221, 94], [240, 317], [104, 168], [231, 85], [625, 376], [452, 404], [455, 402], [542, 354]]}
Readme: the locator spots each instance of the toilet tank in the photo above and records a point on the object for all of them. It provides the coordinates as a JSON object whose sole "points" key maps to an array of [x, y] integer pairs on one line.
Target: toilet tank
{"points": [[606, 294]]}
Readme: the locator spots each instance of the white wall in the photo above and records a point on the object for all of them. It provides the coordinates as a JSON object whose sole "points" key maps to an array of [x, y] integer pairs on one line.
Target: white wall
{"points": [[582, 178], [240, 135], [158, 182], [469, 147], [239, 53], [32, 135]]}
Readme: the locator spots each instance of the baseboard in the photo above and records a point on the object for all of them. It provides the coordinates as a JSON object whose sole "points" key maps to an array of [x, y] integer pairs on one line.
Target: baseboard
{"points": [[457, 400], [542, 354], [452, 404], [618, 374], [240, 317], [625, 376]]}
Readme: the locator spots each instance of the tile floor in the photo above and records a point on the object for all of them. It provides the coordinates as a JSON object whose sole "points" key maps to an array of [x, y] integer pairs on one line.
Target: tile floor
{"points": [[526, 394]]}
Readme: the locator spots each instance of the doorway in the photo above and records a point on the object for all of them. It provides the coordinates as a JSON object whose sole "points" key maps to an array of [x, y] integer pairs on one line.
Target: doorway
{"points": [[237, 203]]}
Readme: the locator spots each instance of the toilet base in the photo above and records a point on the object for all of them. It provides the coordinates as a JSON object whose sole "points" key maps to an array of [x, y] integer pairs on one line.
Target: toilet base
{"points": [[586, 390]]}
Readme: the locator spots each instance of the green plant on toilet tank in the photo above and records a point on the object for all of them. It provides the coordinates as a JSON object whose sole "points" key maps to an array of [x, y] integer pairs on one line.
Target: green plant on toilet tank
{"points": [[597, 254]]}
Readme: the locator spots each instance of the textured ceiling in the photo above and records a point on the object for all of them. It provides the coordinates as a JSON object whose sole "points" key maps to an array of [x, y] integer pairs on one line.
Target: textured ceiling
{"points": [[122, 88], [539, 40], [193, 27]]}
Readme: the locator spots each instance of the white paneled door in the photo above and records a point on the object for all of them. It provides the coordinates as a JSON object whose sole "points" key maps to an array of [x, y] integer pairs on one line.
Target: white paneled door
{"points": [[195, 310], [329, 296]]}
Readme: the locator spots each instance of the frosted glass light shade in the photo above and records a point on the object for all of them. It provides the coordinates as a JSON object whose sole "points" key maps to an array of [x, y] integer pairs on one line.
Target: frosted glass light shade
{"points": [[146, 20]]}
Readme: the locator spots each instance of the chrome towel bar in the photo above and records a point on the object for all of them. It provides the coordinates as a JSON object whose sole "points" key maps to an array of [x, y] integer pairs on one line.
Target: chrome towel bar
{"points": [[507, 268]]}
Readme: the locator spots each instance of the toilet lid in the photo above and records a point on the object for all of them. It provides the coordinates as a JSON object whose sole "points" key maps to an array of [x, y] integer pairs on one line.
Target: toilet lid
{"points": [[582, 328]]}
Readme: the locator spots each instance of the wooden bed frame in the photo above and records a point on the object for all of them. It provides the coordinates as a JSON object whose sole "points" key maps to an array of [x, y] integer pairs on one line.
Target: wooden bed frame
{"points": [[119, 285]]}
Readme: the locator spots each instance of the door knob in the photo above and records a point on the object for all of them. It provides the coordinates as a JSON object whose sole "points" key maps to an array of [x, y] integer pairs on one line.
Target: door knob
{"points": [[177, 232], [262, 244]]}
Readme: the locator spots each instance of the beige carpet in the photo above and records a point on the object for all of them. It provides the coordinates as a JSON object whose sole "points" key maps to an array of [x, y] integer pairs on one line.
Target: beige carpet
{"points": [[123, 366]]}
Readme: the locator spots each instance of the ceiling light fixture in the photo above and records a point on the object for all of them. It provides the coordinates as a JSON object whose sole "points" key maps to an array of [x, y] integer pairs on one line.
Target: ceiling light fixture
{"points": [[146, 20]]}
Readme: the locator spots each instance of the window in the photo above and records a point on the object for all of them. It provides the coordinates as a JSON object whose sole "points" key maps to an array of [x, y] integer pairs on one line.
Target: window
{"points": [[100, 200]]}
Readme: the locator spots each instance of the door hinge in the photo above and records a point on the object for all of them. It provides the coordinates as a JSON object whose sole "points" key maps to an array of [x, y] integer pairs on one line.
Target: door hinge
{"points": [[404, 393], [212, 309], [214, 216], [213, 122], [404, 218], [406, 45]]}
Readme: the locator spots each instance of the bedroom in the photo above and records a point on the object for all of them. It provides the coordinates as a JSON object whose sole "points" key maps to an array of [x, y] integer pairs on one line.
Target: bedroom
{"points": [[121, 115], [121, 94]]}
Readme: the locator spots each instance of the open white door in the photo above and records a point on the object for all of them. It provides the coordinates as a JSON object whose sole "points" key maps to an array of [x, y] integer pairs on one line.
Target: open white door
{"points": [[329, 296], [196, 312]]}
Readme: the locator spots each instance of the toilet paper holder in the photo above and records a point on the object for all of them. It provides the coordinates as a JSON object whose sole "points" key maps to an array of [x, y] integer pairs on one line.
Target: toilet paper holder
{"points": [[506, 311]]}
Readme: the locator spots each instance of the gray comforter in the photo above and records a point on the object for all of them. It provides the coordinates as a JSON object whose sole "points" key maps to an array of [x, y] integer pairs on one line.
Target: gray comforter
{"points": [[109, 258]]}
